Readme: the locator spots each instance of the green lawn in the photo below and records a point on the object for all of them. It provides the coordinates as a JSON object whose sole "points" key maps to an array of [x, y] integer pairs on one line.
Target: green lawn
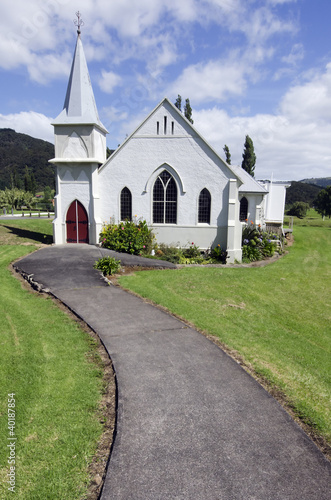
{"points": [[45, 359], [277, 317], [26, 231], [312, 219]]}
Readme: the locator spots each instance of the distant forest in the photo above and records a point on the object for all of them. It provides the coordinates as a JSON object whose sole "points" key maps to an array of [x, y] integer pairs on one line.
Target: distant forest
{"points": [[301, 191], [320, 181], [18, 151]]}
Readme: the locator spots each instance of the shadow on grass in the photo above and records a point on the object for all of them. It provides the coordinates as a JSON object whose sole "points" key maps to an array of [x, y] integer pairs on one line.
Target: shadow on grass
{"points": [[47, 239]]}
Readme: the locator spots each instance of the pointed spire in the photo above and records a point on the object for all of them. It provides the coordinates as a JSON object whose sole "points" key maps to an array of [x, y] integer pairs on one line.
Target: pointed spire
{"points": [[79, 105]]}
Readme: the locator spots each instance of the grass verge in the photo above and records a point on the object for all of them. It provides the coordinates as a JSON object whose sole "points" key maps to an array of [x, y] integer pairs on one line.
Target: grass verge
{"points": [[276, 317], [26, 231], [56, 373]]}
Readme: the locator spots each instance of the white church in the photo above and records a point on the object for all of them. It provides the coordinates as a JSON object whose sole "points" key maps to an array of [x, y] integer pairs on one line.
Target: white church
{"points": [[164, 172]]}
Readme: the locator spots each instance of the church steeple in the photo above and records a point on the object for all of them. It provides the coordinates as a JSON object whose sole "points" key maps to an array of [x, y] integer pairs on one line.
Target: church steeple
{"points": [[79, 132], [79, 105]]}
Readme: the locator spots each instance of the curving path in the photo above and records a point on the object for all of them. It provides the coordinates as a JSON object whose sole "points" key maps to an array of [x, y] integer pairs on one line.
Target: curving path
{"points": [[192, 424]]}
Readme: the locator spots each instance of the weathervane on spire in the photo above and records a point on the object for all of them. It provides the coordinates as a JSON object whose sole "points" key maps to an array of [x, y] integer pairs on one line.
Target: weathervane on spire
{"points": [[79, 22]]}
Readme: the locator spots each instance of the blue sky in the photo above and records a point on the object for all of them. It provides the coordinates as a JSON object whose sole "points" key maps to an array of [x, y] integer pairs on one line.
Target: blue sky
{"points": [[257, 67]]}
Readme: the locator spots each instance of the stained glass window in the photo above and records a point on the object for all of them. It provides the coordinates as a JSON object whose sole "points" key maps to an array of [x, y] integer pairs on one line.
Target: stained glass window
{"points": [[165, 199], [126, 204], [243, 209], [204, 206]]}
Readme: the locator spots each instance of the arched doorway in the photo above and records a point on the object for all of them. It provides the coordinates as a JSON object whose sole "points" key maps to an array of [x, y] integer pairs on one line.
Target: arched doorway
{"points": [[77, 223]]}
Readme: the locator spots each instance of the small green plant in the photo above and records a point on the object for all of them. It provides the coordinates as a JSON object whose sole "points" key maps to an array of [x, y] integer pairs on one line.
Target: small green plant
{"points": [[170, 253], [218, 254], [107, 265], [132, 237], [192, 251]]}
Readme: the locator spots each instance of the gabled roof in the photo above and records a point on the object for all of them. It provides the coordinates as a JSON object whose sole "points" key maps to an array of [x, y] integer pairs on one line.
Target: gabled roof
{"points": [[236, 174], [250, 185], [79, 105]]}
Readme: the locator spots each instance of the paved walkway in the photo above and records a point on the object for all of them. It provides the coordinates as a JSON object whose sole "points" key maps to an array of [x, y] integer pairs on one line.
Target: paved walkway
{"points": [[192, 424]]}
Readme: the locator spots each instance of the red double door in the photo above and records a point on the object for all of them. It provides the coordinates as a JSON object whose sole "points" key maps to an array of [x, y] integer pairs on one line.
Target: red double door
{"points": [[77, 223]]}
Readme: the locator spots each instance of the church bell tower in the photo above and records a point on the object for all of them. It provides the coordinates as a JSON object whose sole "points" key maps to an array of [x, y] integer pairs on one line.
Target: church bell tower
{"points": [[80, 148]]}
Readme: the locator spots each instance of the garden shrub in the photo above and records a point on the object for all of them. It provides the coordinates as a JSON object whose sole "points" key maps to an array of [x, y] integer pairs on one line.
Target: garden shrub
{"points": [[107, 265], [132, 237], [192, 251], [190, 254], [299, 209], [257, 244], [218, 254], [169, 253]]}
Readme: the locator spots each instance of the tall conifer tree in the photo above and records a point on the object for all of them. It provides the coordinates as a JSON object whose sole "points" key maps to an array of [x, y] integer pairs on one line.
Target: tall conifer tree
{"points": [[188, 111], [227, 154], [249, 157], [178, 103]]}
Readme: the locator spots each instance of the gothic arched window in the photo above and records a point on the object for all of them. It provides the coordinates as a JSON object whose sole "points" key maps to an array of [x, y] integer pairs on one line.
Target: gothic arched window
{"points": [[204, 206], [126, 204], [165, 199], [243, 209]]}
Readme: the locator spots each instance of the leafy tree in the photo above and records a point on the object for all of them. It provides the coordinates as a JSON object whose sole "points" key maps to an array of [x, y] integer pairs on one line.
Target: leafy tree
{"points": [[188, 111], [323, 202], [178, 103], [3, 200], [11, 197], [298, 209], [47, 194], [227, 154], [249, 157], [29, 199]]}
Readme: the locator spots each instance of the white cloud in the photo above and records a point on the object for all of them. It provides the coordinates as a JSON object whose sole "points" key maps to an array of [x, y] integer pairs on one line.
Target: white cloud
{"points": [[143, 29], [217, 80], [286, 149], [211, 81], [31, 123], [310, 101], [296, 55], [293, 144], [262, 24], [108, 81], [45, 68], [292, 61]]}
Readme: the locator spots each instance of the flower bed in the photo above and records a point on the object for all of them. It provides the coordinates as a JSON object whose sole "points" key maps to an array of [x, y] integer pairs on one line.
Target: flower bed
{"points": [[257, 244]]}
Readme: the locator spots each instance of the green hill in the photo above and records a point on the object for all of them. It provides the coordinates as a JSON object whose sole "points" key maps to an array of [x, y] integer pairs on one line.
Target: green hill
{"points": [[320, 181], [20, 150], [301, 191]]}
